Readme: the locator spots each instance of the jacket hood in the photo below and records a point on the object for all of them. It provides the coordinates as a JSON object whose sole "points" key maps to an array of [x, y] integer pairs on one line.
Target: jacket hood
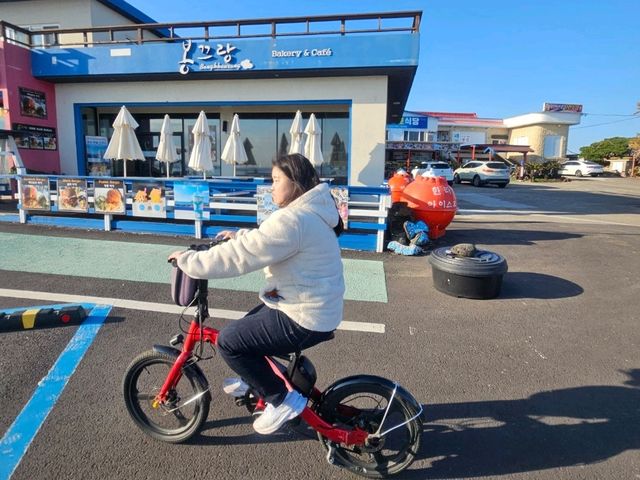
{"points": [[319, 201]]}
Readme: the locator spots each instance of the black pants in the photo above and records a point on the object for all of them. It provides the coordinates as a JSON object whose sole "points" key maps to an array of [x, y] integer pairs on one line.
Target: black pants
{"points": [[264, 331]]}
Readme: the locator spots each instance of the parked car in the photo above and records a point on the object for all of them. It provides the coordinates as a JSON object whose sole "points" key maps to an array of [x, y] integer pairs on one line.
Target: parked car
{"points": [[482, 172], [580, 168], [434, 169]]}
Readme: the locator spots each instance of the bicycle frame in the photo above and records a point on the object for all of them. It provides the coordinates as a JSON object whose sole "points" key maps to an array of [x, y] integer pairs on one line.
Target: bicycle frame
{"points": [[199, 333]]}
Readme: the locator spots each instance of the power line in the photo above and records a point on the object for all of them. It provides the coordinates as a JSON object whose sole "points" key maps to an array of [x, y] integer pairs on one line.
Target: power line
{"points": [[635, 117], [611, 114]]}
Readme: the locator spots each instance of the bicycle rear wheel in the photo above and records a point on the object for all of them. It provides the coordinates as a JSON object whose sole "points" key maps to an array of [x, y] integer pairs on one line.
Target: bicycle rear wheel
{"points": [[187, 404], [363, 405]]}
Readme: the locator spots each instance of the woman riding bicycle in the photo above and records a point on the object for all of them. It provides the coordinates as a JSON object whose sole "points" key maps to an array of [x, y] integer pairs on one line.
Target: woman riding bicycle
{"points": [[302, 301]]}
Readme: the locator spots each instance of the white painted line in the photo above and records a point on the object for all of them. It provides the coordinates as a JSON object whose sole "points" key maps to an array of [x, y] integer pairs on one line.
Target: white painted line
{"points": [[162, 307], [116, 302], [501, 212], [591, 220], [543, 213], [362, 327]]}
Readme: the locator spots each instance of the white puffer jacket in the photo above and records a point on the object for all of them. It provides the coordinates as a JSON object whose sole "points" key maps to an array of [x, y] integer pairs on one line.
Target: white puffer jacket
{"points": [[299, 252]]}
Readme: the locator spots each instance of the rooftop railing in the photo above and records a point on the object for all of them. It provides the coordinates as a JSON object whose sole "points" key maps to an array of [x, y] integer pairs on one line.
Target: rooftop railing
{"points": [[226, 29]]}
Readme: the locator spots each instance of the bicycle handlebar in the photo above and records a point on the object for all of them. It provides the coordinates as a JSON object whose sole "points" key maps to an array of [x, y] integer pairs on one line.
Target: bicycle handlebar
{"points": [[199, 248]]}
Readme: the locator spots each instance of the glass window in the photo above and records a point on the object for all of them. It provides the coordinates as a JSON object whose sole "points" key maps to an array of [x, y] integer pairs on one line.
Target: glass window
{"points": [[335, 141], [260, 139], [497, 165], [266, 135], [552, 146]]}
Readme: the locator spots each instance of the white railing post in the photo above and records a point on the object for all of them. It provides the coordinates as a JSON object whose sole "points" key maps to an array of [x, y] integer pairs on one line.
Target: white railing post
{"points": [[383, 206], [21, 211]]}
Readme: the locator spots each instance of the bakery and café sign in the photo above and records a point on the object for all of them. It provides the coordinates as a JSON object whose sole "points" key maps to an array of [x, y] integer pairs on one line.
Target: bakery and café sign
{"points": [[204, 57]]}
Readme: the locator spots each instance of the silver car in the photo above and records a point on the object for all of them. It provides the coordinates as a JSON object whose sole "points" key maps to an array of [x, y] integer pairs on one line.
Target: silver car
{"points": [[580, 168], [481, 172], [434, 169]]}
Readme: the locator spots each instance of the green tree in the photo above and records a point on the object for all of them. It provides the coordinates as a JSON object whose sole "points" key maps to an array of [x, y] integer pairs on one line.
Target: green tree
{"points": [[607, 148]]}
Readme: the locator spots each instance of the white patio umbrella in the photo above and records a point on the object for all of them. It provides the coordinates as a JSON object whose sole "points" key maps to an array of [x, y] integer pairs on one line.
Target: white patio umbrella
{"points": [[296, 132], [166, 148], [234, 152], [200, 158], [313, 147], [124, 143]]}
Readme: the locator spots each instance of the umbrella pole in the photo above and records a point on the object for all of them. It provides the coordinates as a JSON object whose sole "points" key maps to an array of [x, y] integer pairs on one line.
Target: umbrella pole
{"points": [[204, 174], [124, 163], [167, 169]]}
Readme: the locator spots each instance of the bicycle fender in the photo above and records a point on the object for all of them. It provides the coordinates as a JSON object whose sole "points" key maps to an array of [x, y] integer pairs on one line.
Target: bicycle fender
{"points": [[193, 368], [355, 379]]}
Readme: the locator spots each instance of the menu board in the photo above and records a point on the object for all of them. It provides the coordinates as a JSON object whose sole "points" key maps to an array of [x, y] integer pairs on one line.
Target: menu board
{"points": [[35, 137], [72, 195], [35, 193], [149, 200], [191, 200], [108, 196]]}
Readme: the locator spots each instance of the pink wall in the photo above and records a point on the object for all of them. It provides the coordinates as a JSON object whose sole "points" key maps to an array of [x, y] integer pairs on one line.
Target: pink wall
{"points": [[15, 73]]}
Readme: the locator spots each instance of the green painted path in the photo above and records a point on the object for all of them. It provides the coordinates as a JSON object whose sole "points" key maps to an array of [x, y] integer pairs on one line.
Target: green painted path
{"points": [[365, 279]]}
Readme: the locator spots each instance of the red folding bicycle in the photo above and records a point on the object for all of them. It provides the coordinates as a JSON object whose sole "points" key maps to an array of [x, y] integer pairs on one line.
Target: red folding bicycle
{"points": [[367, 424]]}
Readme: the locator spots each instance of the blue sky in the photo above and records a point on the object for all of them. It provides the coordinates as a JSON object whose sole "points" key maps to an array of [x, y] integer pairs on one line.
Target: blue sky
{"points": [[497, 58]]}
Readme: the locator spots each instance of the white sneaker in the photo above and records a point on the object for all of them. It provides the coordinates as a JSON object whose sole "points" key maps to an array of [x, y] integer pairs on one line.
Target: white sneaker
{"points": [[274, 417], [236, 387]]}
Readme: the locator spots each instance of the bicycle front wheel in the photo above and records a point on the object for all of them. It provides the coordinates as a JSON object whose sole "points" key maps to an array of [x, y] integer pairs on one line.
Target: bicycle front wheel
{"points": [[181, 415]]}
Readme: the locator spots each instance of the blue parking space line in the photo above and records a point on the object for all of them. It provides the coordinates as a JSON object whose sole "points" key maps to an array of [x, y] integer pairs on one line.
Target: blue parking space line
{"points": [[25, 427]]}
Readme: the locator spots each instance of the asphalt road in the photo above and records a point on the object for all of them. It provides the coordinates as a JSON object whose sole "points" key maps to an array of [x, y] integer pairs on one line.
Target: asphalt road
{"points": [[541, 383]]}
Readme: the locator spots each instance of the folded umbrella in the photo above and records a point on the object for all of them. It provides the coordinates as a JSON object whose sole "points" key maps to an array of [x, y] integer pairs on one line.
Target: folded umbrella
{"points": [[234, 152], [124, 143], [313, 146], [166, 148], [200, 159], [296, 132]]}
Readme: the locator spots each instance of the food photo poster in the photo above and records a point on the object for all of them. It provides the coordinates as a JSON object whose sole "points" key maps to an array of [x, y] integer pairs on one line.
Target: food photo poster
{"points": [[72, 195], [32, 103], [35, 193], [149, 200], [109, 196]]}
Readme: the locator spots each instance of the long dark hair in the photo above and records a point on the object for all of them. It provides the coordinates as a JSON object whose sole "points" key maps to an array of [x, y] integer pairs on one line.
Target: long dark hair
{"points": [[299, 170]]}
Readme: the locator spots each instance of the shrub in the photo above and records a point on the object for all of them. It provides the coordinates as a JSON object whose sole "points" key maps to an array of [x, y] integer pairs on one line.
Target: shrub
{"points": [[547, 170]]}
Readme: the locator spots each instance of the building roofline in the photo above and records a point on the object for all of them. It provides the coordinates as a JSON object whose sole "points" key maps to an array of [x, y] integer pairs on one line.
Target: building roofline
{"points": [[127, 10]]}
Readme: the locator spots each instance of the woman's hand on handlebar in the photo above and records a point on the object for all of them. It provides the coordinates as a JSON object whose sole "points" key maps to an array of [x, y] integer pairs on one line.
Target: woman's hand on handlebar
{"points": [[226, 235], [173, 258]]}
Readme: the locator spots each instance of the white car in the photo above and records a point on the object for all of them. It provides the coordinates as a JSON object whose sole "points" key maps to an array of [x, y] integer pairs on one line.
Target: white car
{"points": [[482, 172], [580, 168], [434, 169]]}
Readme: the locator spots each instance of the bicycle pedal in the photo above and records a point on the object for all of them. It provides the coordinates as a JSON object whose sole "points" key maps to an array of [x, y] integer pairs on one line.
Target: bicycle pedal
{"points": [[241, 401]]}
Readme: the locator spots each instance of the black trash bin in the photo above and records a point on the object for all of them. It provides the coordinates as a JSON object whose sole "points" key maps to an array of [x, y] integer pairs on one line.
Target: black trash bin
{"points": [[478, 276]]}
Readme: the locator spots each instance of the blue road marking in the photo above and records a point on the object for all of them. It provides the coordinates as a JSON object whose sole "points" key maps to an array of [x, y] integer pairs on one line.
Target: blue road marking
{"points": [[25, 427]]}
